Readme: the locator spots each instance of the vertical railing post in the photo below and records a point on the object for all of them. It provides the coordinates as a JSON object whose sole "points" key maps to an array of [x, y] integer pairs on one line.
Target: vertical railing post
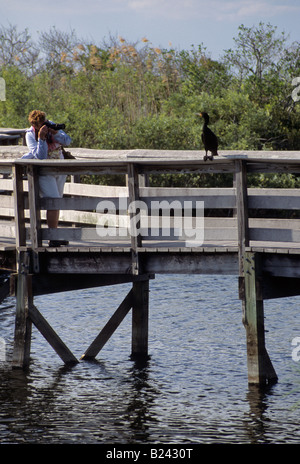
{"points": [[242, 216], [133, 193], [35, 214], [33, 199], [242, 210], [19, 205]]}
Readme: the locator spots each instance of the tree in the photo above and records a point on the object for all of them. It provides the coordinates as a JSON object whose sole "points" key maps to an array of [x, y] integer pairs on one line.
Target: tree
{"points": [[17, 49], [257, 50], [258, 61], [14, 110], [58, 50], [200, 73]]}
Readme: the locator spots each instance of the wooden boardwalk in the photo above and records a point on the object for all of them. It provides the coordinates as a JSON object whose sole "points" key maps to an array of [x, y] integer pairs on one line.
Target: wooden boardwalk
{"points": [[131, 232]]}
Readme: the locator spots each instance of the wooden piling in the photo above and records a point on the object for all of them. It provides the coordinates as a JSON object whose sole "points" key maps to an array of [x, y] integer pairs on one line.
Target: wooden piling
{"points": [[260, 368], [140, 317], [23, 325]]}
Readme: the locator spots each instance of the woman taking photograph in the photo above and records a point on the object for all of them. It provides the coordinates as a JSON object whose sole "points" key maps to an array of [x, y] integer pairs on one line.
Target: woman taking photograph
{"points": [[46, 143]]}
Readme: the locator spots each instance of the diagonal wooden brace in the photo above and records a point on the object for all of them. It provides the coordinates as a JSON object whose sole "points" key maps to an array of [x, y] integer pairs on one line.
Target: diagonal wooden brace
{"points": [[51, 336], [110, 327]]}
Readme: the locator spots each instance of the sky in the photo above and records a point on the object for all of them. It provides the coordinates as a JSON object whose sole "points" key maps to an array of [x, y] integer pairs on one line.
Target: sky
{"points": [[179, 24]]}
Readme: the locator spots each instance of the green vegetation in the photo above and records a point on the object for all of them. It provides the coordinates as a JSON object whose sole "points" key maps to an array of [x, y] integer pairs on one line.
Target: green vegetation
{"points": [[122, 95]]}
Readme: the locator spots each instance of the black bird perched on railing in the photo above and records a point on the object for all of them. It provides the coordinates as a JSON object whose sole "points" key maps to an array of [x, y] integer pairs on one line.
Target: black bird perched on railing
{"points": [[209, 139]]}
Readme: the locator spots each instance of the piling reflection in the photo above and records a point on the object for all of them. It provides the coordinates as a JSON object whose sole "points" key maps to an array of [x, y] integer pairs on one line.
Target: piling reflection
{"points": [[139, 411], [74, 405], [256, 423], [29, 401]]}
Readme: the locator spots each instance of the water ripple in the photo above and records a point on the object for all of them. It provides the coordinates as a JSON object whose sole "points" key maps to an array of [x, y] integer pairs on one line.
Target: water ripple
{"points": [[193, 389]]}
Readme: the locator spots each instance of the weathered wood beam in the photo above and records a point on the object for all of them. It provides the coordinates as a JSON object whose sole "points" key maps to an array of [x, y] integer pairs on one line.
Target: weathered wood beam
{"points": [[54, 283], [172, 262], [242, 210], [23, 325], [281, 264], [140, 318], [109, 328], [70, 262], [259, 156], [135, 234], [51, 336], [154, 261], [279, 287], [35, 214], [19, 205], [260, 368]]}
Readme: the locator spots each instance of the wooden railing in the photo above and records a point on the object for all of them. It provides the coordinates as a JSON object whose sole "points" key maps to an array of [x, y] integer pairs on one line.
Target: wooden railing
{"points": [[106, 215]]}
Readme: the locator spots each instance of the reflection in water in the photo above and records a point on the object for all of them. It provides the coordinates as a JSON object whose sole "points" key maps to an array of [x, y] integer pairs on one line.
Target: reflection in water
{"points": [[256, 421], [28, 400], [141, 399], [60, 407]]}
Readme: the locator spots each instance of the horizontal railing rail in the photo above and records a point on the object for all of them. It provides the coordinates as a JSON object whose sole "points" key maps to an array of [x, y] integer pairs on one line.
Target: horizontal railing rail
{"points": [[135, 215]]}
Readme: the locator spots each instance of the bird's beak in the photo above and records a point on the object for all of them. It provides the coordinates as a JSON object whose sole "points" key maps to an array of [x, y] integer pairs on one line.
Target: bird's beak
{"points": [[198, 114]]}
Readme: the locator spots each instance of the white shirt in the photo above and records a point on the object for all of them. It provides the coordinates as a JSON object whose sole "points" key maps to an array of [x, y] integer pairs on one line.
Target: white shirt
{"points": [[39, 148]]}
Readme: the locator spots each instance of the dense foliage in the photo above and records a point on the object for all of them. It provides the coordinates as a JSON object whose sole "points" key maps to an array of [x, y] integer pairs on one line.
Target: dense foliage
{"points": [[120, 95]]}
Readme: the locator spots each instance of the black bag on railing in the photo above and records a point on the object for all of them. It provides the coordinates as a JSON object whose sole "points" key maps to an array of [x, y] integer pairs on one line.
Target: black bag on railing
{"points": [[67, 154]]}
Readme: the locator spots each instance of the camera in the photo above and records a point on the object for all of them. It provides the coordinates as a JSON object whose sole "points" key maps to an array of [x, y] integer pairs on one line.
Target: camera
{"points": [[54, 126]]}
